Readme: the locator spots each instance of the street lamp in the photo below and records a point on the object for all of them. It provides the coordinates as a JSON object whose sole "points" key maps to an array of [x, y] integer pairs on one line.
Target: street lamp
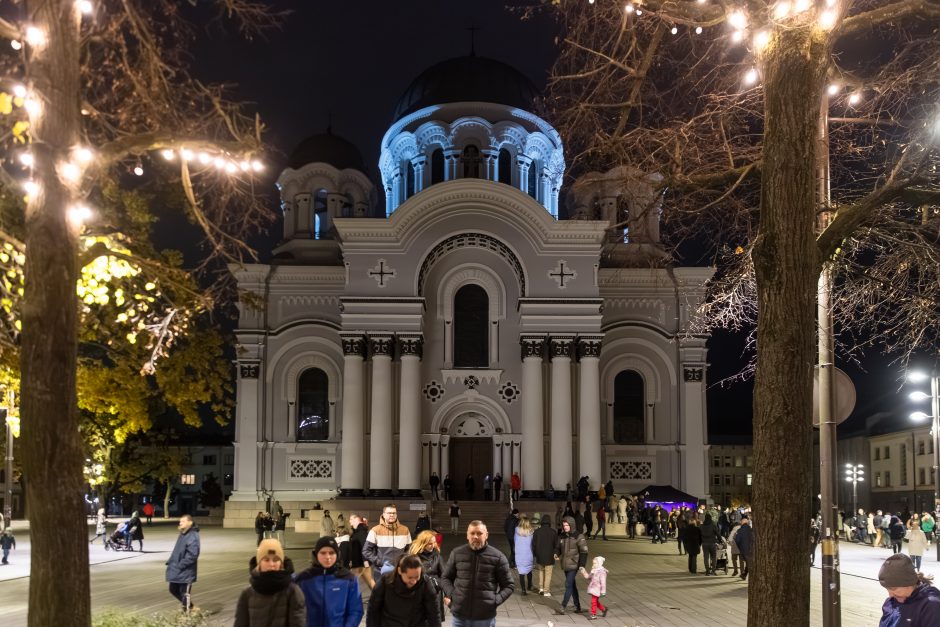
{"points": [[855, 473], [934, 416]]}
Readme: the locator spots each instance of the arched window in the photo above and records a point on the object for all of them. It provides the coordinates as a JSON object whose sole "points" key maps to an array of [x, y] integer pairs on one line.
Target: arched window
{"points": [[410, 180], [628, 408], [623, 215], [470, 161], [471, 327], [504, 174], [437, 166], [534, 179], [319, 213], [313, 406]]}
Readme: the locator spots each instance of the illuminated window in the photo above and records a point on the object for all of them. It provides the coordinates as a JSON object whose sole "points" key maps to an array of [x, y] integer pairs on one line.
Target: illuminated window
{"points": [[188, 479], [749, 478], [313, 417]]}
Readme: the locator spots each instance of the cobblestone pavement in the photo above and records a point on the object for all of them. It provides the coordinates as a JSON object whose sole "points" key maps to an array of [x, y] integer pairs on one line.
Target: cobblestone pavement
{"points": [[648, 584]]}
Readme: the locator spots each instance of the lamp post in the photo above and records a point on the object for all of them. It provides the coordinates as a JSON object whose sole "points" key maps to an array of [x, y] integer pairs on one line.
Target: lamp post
{"points": [[934, 416], [855, 473]]}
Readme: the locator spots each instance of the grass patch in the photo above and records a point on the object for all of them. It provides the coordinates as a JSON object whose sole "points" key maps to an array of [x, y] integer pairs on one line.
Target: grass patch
{"points": [[117, 618]]}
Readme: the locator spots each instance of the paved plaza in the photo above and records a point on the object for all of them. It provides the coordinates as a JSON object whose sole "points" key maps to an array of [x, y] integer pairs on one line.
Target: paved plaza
{"points": [[648, 584]]}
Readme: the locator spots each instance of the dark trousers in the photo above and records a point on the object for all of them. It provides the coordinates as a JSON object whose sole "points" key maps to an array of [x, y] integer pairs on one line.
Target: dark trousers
{"points": [[744, 565], [631, 527], [182, 591], [895, 546], [601, 529], [571, 589], [710, 556], [693, 562], [434, 494]]}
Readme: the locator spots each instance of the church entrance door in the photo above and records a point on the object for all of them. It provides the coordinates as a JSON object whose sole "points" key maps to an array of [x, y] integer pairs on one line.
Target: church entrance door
{"points": [[470, 456]]}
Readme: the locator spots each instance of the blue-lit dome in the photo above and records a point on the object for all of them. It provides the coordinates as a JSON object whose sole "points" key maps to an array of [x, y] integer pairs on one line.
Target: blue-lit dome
{"points": [[467, 79]]}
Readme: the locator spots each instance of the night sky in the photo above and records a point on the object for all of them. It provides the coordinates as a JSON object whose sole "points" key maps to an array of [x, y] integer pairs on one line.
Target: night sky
{"points": [[346, 64]]}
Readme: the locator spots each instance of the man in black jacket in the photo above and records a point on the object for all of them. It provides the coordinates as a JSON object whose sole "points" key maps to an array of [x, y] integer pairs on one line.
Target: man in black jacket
{"points": [[544, 541], [509, 527], [476, 580], [709, 544]]}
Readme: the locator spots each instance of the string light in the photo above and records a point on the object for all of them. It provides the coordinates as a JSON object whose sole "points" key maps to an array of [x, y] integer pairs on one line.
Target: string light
{"points": [[26, 158], [801, 5], [168, 154], [19, 91], [33, 107], [139, 168], [85, 6], [738, 20], [257, 166], [186, 154], [781, 10], [855, 98], [16, 44], [78, 215], [230, 167], [245, 166], [31, 187], [698, 30], [827, 19], [70, 172], [628, 8], [737, 36], [83, 154], [674, 30], [35, 36], [751, 76], [833, 89], [204, 158], [761, 40]]}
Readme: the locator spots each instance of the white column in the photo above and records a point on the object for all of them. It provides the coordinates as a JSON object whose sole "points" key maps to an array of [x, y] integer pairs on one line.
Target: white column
{"points": [[409, 416], [692, 407], [445, 461], [352, 444], [589, 410], [419, 164], [507, 460], [533, 455], [497, 455], [435, 456], [380, 453], [561, 440], [246, 432]]}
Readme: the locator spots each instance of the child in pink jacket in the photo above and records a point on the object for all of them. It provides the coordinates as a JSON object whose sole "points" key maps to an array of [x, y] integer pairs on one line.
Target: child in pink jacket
{"points": [[597, 587]]}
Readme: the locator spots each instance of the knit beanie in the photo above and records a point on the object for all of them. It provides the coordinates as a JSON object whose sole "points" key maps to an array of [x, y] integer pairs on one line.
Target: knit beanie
{"points": [[598, 562], [325, 541], [898, 572], [267, 547]]}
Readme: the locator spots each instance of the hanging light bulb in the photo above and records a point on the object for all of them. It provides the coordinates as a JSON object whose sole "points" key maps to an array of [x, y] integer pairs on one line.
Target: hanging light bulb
{"points": [[781, 10], [16, 44], [761, 40], [629, 8], [738, 20], [70, 171], [79, 214], [19, 91], [139, 168], [85, 6], [204, 158], [230, 167], [26, 158], [674, 30], [257, 166], [698, 30], [827, 19], [639, 12], [33, 106], [186, 154], [167, 154], [219, 163], [801, 5], [83, 154], [833, 89], [31, 187], [855, 98], [245, 166], [737, 36], [35, 36], [750, 77]]}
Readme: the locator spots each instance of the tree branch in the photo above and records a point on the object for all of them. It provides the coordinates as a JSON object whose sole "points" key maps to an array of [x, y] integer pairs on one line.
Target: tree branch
{"points": [[896, 12]]}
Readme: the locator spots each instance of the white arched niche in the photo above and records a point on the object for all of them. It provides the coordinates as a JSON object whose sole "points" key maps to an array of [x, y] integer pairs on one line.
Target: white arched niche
{"points": [[453, 280]]}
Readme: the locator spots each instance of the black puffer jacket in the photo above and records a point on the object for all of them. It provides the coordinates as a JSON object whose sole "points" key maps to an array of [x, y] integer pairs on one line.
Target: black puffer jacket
{"points": [[432, 565], [271, 600], [709, 532], [477, 582], [393, 604], [544, 542], [356, 541]]}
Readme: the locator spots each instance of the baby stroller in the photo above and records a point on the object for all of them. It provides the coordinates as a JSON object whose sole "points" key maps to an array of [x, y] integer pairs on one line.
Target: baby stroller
{"points": [[721, 560], [119, 540]]}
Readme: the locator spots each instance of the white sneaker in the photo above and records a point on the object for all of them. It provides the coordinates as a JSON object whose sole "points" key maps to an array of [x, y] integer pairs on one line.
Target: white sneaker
{"points": [[546, 594]]}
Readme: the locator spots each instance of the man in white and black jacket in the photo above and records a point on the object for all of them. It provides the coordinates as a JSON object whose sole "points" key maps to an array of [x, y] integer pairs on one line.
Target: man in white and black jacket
{"points": [[476, 580]]}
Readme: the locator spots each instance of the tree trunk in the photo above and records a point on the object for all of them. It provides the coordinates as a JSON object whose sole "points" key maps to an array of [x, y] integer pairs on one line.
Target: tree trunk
{"points": [[52, 446], [166, 499], [787, 267]]}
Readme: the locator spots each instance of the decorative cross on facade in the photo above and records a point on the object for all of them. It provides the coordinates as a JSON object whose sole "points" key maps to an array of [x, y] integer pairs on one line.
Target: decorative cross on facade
{"points": [[559, 274], [379, 273]]}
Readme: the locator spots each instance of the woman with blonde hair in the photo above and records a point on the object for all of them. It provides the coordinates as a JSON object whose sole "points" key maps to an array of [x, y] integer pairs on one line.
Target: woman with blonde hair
{"points": [[525, 560], [426, 549]]}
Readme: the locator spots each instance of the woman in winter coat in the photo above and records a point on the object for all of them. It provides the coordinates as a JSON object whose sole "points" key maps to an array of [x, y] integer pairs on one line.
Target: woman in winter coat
{"points": [[271, 599], [525, 560], [101, 527], [735, 553], [916, 545], [136, 531], [896, 532], [423, 523], [912, 600], [330, 590], [426, 548], [404, 598], [327, 528], [693, 544]]}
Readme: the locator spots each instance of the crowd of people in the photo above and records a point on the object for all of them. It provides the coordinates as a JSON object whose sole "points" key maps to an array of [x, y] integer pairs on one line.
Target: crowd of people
{"points": [[890, 531]]}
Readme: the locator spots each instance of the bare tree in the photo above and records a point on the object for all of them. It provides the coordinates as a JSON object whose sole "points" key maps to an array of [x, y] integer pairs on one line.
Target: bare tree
{"points": [[101, 89], [728, 102]]}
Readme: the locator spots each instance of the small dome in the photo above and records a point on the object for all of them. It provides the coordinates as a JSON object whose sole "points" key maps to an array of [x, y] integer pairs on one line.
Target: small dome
{"points": [[467, 79], [327, 148]]}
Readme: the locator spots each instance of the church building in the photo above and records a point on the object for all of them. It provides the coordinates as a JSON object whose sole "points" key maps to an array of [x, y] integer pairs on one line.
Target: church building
{"points": [[477, 314]]}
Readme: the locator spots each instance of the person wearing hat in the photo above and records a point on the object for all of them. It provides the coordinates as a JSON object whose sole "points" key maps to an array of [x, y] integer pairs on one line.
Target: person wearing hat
{"points": [[330, 589], [271, 599], [912, 600]]}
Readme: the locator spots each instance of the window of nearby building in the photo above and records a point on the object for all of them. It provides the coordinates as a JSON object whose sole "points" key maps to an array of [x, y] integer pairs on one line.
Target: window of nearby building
{"points": [[471, 327], [208, 460], [470, 162], [748, 461], [228, 480], [922, 476], [534, 179], [628, 408], [716, 461], [504, 167], [313, 409], [188, 479], [437, 166], [738, 461], [319, 213], [716, 479], [727, 461], [877, 453], [750, 478], [887, 478], [887, 452], [920, 447], [904, 464], [729, 480], [933, 476], [877, 479], [930, 447], [229, 459]]}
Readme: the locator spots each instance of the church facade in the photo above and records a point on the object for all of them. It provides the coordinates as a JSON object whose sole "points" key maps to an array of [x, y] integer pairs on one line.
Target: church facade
{"points": [[470, 317]]}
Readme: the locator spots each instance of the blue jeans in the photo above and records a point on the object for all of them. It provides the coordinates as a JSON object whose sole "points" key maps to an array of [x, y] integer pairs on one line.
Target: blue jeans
{"points": [[571, 589], [916, 559], [465, 622]]}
